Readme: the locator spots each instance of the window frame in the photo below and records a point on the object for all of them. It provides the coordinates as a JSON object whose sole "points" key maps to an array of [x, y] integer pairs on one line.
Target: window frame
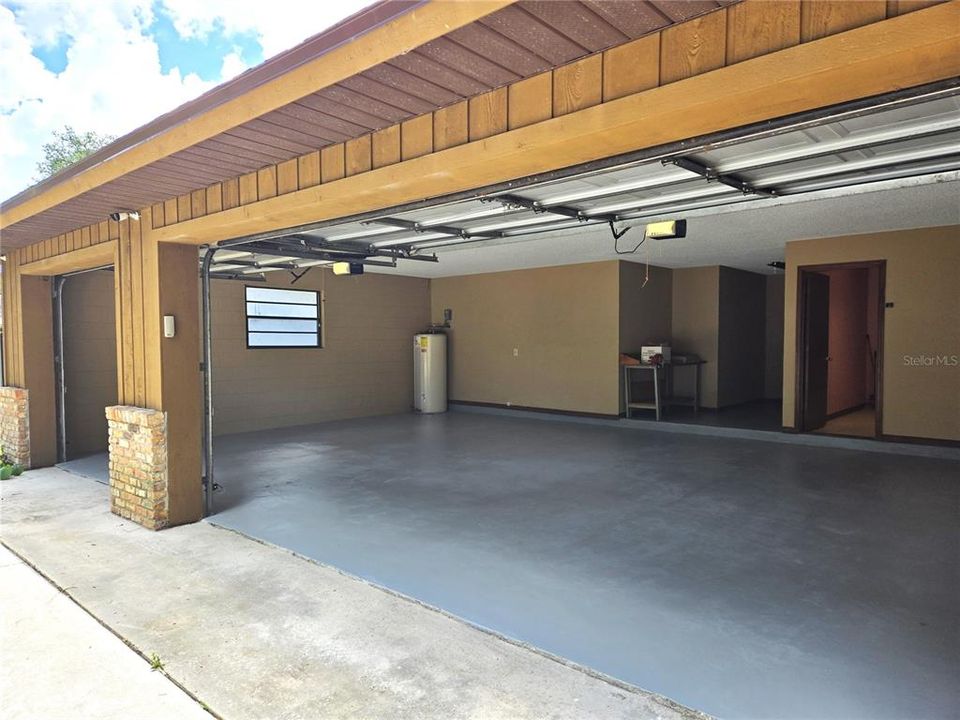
{"points": [[246, 318]]}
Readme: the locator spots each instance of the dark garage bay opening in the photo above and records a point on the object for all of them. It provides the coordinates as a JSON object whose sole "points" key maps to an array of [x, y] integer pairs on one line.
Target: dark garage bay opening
{"points": [[742, 578]]}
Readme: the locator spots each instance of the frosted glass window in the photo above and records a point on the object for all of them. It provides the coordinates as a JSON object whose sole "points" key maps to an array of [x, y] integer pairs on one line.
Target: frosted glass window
{"points": [[282, 318], [275, 325], [275, 340], [259, 309], [275, 295]]}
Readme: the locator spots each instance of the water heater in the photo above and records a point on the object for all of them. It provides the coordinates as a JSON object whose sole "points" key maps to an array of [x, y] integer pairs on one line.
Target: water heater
{"points": [[430, 373]]}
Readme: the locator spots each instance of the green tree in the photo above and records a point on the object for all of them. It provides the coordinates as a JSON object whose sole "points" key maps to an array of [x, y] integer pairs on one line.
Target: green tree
{"points": [[69, 147]]}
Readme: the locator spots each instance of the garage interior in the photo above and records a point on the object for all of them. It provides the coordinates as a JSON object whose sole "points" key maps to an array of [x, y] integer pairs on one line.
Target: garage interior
{"points": [[748, 557], [89, 368], [557, 531]]}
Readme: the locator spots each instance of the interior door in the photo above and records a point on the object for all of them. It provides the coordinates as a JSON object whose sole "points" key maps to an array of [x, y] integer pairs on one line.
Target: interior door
{"points": [[816, 348]]}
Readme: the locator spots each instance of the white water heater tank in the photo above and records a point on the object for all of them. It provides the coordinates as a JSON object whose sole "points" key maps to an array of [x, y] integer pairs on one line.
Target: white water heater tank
{"points": [[430, 373]]}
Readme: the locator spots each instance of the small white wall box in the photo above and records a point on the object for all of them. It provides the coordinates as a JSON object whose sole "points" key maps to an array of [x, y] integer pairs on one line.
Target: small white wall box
{"points": [[648, 351], [169, 326]]}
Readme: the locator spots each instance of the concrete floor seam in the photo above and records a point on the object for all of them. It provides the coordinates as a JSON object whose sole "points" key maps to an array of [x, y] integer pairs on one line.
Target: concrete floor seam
{"points": [[66, 593]]}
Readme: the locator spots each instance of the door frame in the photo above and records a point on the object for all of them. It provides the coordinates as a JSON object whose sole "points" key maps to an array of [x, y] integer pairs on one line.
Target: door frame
{"points": [[801, 340]]}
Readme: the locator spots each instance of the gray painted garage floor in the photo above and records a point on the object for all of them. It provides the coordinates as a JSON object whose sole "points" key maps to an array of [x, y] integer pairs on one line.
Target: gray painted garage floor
{"points": [[96, 467], [743, 578], [253, 631]]}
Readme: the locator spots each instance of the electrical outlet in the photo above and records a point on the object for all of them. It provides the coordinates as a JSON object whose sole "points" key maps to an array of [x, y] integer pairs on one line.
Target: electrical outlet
{"points": [[516, 352]]}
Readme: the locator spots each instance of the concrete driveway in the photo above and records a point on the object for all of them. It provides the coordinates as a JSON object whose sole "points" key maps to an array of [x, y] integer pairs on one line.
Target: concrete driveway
{"points": [[256, 632], [56, 661], [744, 578]]}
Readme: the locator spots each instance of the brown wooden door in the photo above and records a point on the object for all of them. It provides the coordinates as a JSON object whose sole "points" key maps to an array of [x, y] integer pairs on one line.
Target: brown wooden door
{"points": [[816, 348]]}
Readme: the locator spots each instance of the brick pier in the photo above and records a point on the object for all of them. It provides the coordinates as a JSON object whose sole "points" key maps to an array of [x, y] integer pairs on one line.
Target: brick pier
{"points": [[15, 424], [138, 465]]}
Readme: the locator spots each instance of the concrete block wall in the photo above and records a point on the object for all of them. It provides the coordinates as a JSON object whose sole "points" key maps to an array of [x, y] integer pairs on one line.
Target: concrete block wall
{"points": [[364, 368], [15, 424], [138, 465]]}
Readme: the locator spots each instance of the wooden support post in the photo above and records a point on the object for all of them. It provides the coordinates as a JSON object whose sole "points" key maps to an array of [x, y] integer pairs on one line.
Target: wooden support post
{"points": [[172, 384]]}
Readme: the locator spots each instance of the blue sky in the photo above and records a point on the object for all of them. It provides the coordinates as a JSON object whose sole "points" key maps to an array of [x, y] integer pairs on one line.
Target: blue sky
{"points": [[203, 56], [113, 65], [53, 57]]}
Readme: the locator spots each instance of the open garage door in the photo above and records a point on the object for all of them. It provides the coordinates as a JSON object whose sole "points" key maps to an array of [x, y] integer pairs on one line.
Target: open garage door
{"points": [[900, 140], [899, 144], [550, 532], [86, 368]]}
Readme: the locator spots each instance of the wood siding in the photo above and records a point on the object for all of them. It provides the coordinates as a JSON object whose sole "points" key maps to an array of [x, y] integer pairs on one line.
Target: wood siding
{"points": [[725, 37], [120, 244], [876, 59], [150, 280]]}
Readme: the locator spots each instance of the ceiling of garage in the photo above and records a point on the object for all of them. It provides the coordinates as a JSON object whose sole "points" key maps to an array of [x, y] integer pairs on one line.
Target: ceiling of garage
{"points": [[744, 236], [855, 171]]}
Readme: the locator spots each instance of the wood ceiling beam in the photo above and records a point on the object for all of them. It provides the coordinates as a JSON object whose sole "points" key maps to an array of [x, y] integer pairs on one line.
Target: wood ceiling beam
{"points": [[86, 258], [902, 52]]}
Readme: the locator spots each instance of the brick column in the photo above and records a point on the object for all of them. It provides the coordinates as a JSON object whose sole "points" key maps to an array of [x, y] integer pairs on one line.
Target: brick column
{"points": [[15, 424], [138, 465]]}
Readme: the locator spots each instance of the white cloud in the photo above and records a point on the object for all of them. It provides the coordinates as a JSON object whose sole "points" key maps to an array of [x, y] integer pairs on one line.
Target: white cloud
{"points": [[278, 24], [46, 21], [233, 64], [112, 82]]}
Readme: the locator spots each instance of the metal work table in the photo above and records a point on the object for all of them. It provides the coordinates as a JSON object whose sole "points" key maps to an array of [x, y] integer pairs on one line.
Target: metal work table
{"points": [[660, 399]]}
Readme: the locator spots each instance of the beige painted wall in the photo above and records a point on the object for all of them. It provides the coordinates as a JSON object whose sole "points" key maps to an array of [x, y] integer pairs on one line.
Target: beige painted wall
{"points": [[90, 360], [645, 310], [919, 400], [773, 338], [563, 323], [696, 326], [740, 353], [365, 367], [38, 368], [719, 314], [645, 316]]}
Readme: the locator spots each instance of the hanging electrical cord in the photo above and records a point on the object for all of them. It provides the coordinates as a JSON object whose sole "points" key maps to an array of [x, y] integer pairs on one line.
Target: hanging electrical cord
{"points": [[297, 276], [617, 234]]}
